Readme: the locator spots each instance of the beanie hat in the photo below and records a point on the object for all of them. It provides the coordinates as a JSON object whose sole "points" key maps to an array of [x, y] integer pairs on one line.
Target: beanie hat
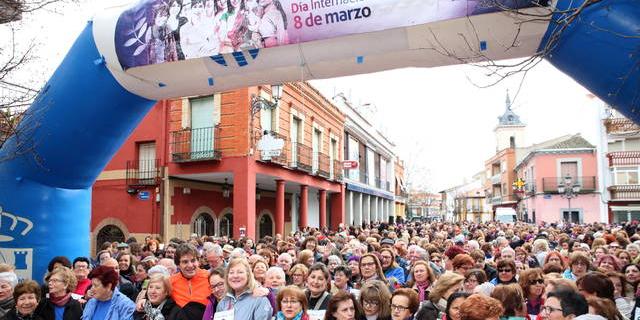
{"points": [[9, 277]]}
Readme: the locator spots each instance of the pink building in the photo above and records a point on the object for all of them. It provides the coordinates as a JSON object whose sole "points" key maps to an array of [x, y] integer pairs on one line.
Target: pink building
{"points": [[561, 181]]}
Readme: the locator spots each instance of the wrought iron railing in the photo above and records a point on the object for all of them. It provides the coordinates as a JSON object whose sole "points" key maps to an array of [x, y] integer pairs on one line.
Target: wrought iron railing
{"points": [[625, 192], [143, 173], [322, 165], [586, 183], [338, 171], [301, 156], [196, 144]]}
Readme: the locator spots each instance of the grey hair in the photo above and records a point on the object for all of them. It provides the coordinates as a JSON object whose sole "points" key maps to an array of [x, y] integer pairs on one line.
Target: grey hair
{"points": [[334, 257], [215, 248], [277, 270]]}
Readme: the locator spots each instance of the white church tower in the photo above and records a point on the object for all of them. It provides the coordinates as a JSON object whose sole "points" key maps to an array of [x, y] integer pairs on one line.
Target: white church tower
{"points": [[510, 132]]}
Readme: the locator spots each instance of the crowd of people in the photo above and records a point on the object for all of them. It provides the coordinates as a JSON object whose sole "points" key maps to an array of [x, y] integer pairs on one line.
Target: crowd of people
{"points": [[422, 271]]}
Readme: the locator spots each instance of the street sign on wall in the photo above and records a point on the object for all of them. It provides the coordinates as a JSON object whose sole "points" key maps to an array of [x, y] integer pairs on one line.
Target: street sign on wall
{"points": [[350, 164]]}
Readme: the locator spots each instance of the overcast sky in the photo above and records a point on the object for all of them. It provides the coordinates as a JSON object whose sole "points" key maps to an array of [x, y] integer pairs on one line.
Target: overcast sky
{"points": [[436, 115]]}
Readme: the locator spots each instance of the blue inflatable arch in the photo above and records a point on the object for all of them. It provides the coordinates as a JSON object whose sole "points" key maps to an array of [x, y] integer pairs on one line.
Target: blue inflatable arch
{"points": [[126, 60]]}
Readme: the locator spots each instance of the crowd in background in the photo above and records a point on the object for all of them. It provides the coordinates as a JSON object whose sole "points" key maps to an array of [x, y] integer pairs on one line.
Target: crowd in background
{"points": [[423, 271]]}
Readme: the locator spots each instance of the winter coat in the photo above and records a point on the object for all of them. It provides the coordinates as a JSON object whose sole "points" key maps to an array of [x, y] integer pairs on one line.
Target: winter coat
{"points": [[121, 308], [170, 311], [72, 310]]}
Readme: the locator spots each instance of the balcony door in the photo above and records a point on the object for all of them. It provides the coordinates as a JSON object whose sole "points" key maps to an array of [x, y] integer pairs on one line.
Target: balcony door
{"points": [[202, 122], [146, 162], [315, 146]]}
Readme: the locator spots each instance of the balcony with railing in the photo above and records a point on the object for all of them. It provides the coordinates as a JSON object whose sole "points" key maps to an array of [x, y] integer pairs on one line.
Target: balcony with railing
{"points": [[624, 158], [620, 125], [625, 192], [587, 184], [502, 199], [143, 173], [301, 156], [321, 164], [278, 157], [338, 171], [496, 178], [200, 144]]}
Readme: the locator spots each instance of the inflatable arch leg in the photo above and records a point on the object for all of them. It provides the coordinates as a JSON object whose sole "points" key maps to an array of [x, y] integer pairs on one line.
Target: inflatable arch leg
{"points": [[600, 50], [72, 130]]}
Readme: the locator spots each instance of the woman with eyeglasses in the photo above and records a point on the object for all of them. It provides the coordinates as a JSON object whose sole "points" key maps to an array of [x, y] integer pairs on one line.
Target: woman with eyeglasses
{"points": [[404, 304], [218, 291], [422, 277], [298, 275], [506, 272], [371, 269], [375, 301], [579, 264], [532, 283], [292, 304], [59, 304], [474, 278]]}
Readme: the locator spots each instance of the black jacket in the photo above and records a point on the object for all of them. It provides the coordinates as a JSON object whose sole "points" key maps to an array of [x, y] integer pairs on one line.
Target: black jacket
{"points": [[11, 315], [72, 310], [170, 311]]}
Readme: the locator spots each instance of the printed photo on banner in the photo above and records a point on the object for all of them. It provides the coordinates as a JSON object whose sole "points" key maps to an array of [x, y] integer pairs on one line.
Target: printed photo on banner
{"points": [[158, 31]]}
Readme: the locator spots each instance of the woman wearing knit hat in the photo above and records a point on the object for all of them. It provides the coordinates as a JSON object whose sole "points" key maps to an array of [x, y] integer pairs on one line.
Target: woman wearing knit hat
{"points": [[8, 281]]}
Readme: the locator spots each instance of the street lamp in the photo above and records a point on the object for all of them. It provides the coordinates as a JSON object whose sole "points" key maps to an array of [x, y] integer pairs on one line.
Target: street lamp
{"points": [[258, 102], [226, 191], [569, 189]]}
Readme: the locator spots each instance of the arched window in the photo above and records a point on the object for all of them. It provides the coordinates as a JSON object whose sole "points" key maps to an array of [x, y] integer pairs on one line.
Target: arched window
{"points": [[226, 225], [203, 225], [110, 233], [265, 226]]}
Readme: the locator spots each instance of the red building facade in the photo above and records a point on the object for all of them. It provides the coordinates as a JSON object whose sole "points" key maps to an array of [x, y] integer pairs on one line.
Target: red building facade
{"points": [[222, 165]]}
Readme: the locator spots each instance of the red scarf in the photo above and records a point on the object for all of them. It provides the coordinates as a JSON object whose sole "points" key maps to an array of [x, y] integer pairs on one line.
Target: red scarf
{"points": [[422, 287], [60, 301]]}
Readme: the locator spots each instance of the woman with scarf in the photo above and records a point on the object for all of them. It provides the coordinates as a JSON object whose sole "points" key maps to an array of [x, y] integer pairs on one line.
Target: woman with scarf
{"points": [[59, 305], [422, 277], [158, 305], [532, 284], [292, 304]]}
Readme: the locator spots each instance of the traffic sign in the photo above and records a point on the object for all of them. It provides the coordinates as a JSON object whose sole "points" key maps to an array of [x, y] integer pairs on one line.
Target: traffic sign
{"points": [[143, 195]]}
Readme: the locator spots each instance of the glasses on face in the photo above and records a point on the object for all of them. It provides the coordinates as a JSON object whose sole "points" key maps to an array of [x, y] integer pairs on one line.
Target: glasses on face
{"points": [[289, 302], [54, 280], [536, 281], [471, 280], [505, 270], [370, 303], [297, 275], [398, 308], [549, 309], [436, 260], [216, 286]]}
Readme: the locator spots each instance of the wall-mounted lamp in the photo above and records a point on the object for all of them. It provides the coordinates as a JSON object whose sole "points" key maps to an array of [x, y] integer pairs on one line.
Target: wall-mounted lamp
{"points": [[258, 102], [186, 190], [132, 191], [257, 192], [226, 192]]}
